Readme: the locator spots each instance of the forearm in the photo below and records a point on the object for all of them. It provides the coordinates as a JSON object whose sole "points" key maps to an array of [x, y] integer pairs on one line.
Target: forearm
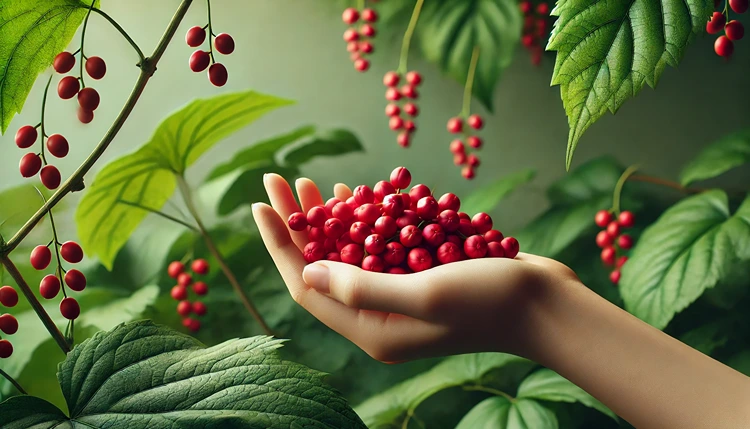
{"points": [[645, 376]]}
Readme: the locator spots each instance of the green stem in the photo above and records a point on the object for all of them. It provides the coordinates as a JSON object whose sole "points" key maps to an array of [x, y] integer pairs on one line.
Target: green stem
{"points": [[480, 388], [468, 88], [402, 66], [56, 243], [13, 382], [83, 39], [159, 213], [124, 34], [360, 4], [35, 304], [148, 67], [43, 133], [618, 188], [210, 34], [187, 196]]}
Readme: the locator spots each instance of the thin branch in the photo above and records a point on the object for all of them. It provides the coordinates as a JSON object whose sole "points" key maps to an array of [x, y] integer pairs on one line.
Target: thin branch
{"points": [[406, 43], [124, 33], [13, 382], [159, 213]]}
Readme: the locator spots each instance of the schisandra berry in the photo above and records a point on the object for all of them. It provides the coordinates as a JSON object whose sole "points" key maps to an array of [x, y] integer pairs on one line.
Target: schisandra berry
{"points": [[184, 308], [375, 244], [69, 308], [373, 263], [608, 255], [361, 64], [68, 87], [614, 276], [716, 24], [317, 217], [199, 61], [184, 279], [58, 146], [200, 288], [6, 349], [366, 47], [352, 254], [419, 259], [96, 67], [427, 208], [71, 252], [603, 239], [199, 308], [367, 30], [525, 7], [400, 178], [449, 220], [195, 36], [369, 15], [457, 147], [475, 121], [175, 269], [603, 218], [64, 62], [334, 228], [475, 247], [433, 234], [418, 192], [385, 226], [194, 325], [409, 91], [392, 109], [510, 246], [493, 236], [739, 6], [85, 116], [179, 293], [625, 241], [351, 35], [217, 74], [313, 251], [724, 47], [414, 78], [410, 236], [411, 109], [391, 79], [395, 123], [49, 287], [613, 229], [482, 222], [350, 15], [394, 254], [26, 136], [468, 172], [224, 44], [542, 9], [392, 94], [75, 280], [621, 261], [40, 257], [734, 30], [382, 189], [455, 125], [474, 142], [8, 324], [8, 296], [88, 99], [50, 177]]}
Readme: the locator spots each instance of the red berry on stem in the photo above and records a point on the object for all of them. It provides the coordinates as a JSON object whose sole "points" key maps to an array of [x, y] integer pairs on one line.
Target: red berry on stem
{"points": [[418, 192], [85, 116], [297, 221], [391, 79], [625, 241], [69, 308], [374, 244], [351, 35], [363, 195], [8, 296], [393, 205], [475, 121], [475, 247], [6, 349], [603, 218], [392, 110], [199, 61], [614, 276], [40, 258], [329, 206], [350, 15], [184, 279], [184, 308], [468, 172], [448, 252], [608, 255], [385, 226], [739, 6], [525, 7], [465, 227], [334, 228], [392, 94], [49, 287], [409, 91], [200, 288], [58, 146], [68, 87], [409, 126], [723, 46], [472, 160], [50, 177], [395, 123], [88, 99], [75, 280], [410, 236], [175, 269], [482, 222], [200, 266], [511, 247], [352, 254], [457, 147], [621, 261], [613, 229], [224, 44], [217, 74], [352, 47], [369, 15], [8, 324], [64, 62], [26, 136], [367, 30], [449, 220], [195, 36], [403, 139], [414, 78], [542, 9], [359, 232], [361, 64], [460, 159], [193, 325], [734, 30], [96, 67], [382, 189], [400, 178], [528, 40], [179, 293], [411, 109], [314, 251], [474, 142], [71, 252], [716, 23], [455, 125], [603, 239], [433, 234], [419, 259], [199, 308]]}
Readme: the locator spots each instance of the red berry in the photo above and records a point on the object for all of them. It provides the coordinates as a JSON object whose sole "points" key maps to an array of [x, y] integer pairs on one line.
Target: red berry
{"points": [[68, 87], [474, 142], [400, 178], [351, 35], [433, 234], [419, 259], [723, 46], [495, 250], [352, 254], [193, 325], [608, 255], [58, 146], [343, 211], [297, 221], [614, 276], [625, 241], [510, 246], [88, 99], [409, 126], [8, 324], [200, 266], [382, 189], [64, 62], [26, 136], [460, 159], [465, 227], [217, 74], [475, 247], [418, 192], [542, 9], [391, 79], [375, 244], [96, 67], [385, 226], [6, 349], [199, 308], [453, 238], [49, 287], [407, 200], [411, 109], [333, 256], [475, 121], [329, 206], [184, 308], [393, 205], [493, 235], [457, 147], [403, 139], [364, 195], [359, 232], [352, 47], [369, 15], [224, 44], [85, 116], [313, 252], [350, 15], [199, 61], [449, 201], [472, 160], [734, 30], [448, 252], [395, 253], [71, 252], [392, 94], [449, 220], [410, 236], [316, 234], [373, 263], [367, 30], [179, 292], [613, 229], [739, 6], [409, 91], [603, 239], [75, 280], [528, 40], [334, 228], [455, 125], [361, 64], [366, 47], [184, 279], [195, 36], [50, 176], [621, 261], [317, 216], [482, 222], [525, 7], [40, 258], [716, 23], [464, 216], [603, 218], [200, 288], [414, 78], [330, 245], [395, 123], [392, 110], [408, 218], [427, 208], [175, 269], [468, 172], [8, 296]]}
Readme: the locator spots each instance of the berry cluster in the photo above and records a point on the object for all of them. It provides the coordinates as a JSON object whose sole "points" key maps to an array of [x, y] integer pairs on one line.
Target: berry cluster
{"points": [[180, 292], [462, 156], [200, 59], [610, 240], [34, 163], [401, 101], [733, 30], [51, 284], [535, 29], [386, 230], [8, 323], [359, 41], [70, 86]]}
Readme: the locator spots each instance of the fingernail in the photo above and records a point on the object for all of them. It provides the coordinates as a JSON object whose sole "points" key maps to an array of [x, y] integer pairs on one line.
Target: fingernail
{"points": [[265, 177], [316, 276]]}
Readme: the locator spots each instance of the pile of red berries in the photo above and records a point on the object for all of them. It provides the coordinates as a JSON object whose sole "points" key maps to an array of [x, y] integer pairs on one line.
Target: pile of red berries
{"points": [[31, 163], [359, 40], [611, 240], [8, 323], [387, 230], [463, 156], [70, 86], [535, 29], [180, 292], [402, 101], [51, 284], [733, 30], [200, 59]]}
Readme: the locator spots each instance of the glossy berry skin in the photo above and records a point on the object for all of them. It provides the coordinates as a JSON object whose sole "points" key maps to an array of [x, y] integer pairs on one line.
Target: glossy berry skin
{"points": [[495, 250], [217, 74], [465, 227], [6, 349], [351, 35], [608, 255], [49, 287], [184, 308], [199, 61], [419, 259], [195, 36], [75, 280], [359, 232], [316, 234], [433, 234], [392, 110], [383, 189], [352, 254], [64, 62], [175, 269], [459, 159], [297, 221], [58, 146], [603, 239], [317, 217], [626, 219], [8, 324], [343, 211], [614, 276], [724, 47], [361, 64], [193, 325], [457, 146], [417, 192], [455, 125], [179, 293], [414, 78], [409, 91], [449, 220], [85, 116], [448, 252], [427, 208], [224, 44], [400, 178], [625, 241], [493, 236], [472, 160], [367, 30], [510, 246], [410, 236], [474, 142], [313, 252], [716, 24], [375, 244], [373, 263], [350, 15], [391, 79], [394, 253], [200, 266], [395, 123], [366, 47], [468, 172], [334, 228], [71, 252], [739, 6], [184, 279], [475, 121], [40, 258], [68, 87], [369, 15], [385, 226], [96, 67], [199, 308], [411, 109], [734, 30], [26, 136], [410, 126], [333, 256], [602, 218], [621, 261], [363, 194], [482, 222], [88, 99], [329, 206], [8, 296], [50, 177], [613, 229], [200, 288], [475, 247], [393, 206], [392, 94], [69, 308]]}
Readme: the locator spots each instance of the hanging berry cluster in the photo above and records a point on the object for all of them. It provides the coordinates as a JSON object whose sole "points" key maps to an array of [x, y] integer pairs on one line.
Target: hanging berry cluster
{"points": [[201, 60], [402, 105], [463, 156], [535, 29], [52, 284], [359, 40], [71, 86], [8, 323], [387, 230], [612, 241], [733, 30], [181, 291]]}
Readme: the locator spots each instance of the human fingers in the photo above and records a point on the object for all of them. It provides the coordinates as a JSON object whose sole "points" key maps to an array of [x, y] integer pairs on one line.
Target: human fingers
{"points": [[342, 191], [283, 201], [309, 194]]}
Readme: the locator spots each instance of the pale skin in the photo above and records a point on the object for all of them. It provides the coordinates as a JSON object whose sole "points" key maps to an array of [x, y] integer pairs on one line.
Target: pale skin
{"points": [[532, 307]]}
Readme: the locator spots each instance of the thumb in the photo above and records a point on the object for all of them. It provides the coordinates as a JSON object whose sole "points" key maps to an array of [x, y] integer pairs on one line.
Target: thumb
{"points": [[407, 294]]}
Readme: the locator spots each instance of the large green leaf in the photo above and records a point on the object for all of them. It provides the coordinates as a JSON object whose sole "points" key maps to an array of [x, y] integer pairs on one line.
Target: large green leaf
{"points": [[500, 413], [692, 247], [607, 51], [725, 154], [547, 385], [332, 143], [33, 32], [488, 197], [107, 216], [142, 375]]}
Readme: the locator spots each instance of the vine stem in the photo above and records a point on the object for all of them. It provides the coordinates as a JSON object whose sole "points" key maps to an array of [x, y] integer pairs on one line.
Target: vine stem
{"points": [[83, 39], [210, 33], [618, 187], [148, 67], [35, 304], [480, 388], [187, 196], [468, 88], [402, 66], [43, 133], [123, 32], [13, 382]]}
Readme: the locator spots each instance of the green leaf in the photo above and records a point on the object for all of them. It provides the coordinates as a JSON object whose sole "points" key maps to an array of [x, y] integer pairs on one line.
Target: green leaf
{"points": [[33, 33], [691, 248], [547, 385], [489, 196], [608, 51], [333, 143], [449, 30], [499, 413], [387, 407], [721, 156], [126, 189], [29, 412]]}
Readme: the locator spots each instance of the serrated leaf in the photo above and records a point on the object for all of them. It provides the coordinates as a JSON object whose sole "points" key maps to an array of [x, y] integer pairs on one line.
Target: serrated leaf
{"points": [[500, 413], [33, 32], [691, 248], [106, 216], [547, 385], [141, 375], [449, 30], [608, 51], [489, 196], [332, 143], [721, 156]]}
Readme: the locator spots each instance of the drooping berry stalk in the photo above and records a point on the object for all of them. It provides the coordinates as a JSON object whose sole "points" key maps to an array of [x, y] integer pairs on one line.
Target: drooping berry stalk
{"points": [[124, 34], [469, 86], [406, 43], [13, 381], [618, 188]]}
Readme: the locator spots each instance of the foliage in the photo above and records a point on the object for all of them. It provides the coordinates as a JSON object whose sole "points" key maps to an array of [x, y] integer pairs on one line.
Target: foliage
{"points": [[721, 156]]}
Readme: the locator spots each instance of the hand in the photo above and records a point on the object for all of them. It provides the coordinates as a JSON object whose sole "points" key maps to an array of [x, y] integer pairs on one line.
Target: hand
{"points": [[470, 306]]}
